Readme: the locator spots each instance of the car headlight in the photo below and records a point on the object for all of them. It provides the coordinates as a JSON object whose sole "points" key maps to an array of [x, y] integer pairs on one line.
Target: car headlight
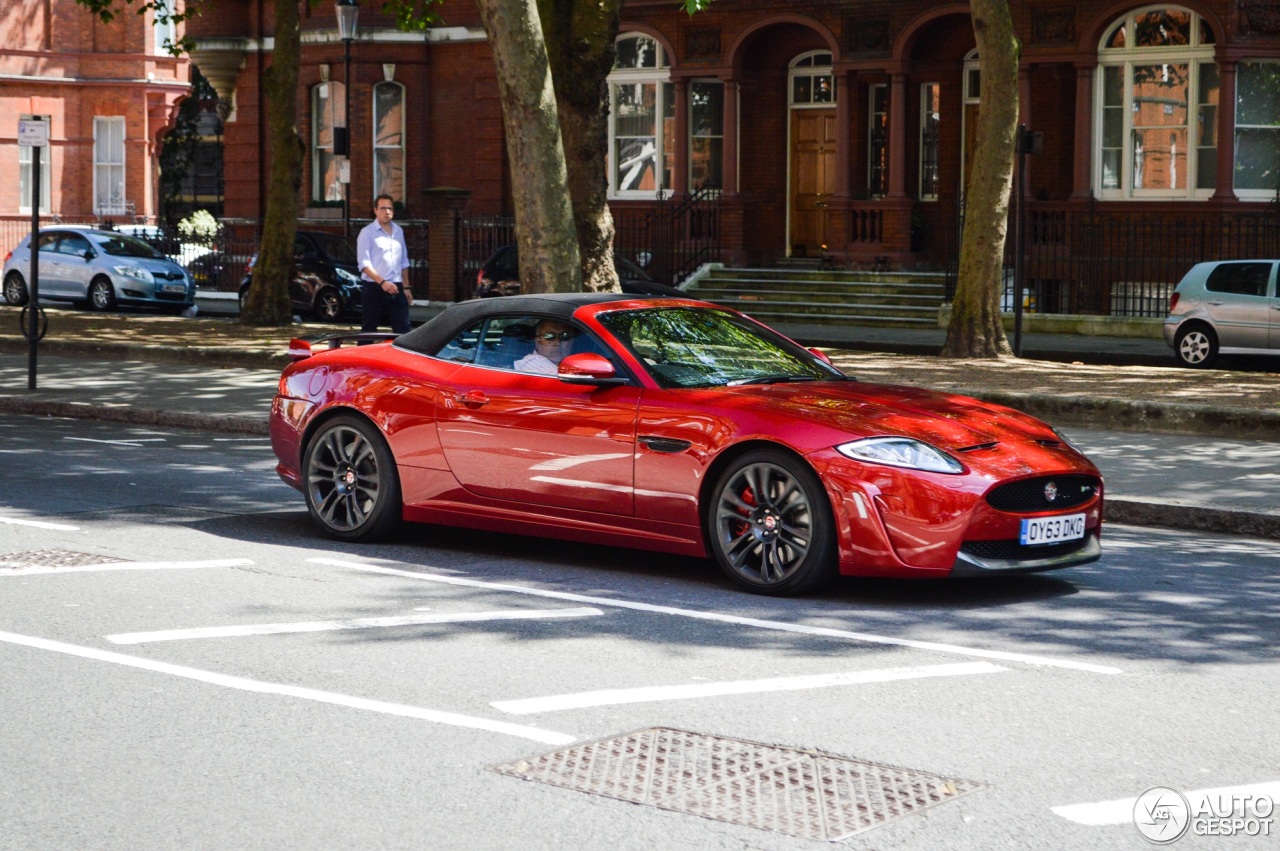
{"points": [[347, 277], [1068, 441], [136, 272], [901, 452]]}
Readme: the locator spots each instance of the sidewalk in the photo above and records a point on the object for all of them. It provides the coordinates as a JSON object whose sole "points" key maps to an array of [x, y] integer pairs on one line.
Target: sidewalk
{"points": [[1189, 449]]}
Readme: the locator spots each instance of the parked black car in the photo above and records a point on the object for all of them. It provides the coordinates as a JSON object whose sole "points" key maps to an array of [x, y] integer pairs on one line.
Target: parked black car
{"points": [[326, 280], [500, 275]]}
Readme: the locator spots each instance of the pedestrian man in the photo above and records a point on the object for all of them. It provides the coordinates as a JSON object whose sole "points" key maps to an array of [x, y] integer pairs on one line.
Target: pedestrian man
{"points": [[383, 257]]}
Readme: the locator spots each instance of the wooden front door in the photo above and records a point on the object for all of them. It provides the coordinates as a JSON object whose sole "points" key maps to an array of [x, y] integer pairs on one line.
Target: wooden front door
{"points": [[813, 178]]}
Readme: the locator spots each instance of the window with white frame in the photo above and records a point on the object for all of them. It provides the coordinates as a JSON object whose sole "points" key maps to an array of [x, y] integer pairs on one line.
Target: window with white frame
{"points": [[165, 30], [641, 119], [1157, 106], [388, 140], [811, 80], [328, 110], [930, 120], [1257, 165], [706, 134], [26, 157], [108, 166], [877, 140]]}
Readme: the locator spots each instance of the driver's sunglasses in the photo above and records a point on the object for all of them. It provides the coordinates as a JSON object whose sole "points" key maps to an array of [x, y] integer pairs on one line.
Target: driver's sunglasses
{"points": [[552, 336]]}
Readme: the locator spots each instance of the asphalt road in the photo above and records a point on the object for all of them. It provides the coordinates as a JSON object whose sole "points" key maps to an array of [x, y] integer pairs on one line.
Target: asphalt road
{"points": [[223, 686]]}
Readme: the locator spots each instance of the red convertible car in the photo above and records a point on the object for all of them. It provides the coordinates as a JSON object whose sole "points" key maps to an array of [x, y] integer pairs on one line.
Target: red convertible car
{"points": [[679, 426]]}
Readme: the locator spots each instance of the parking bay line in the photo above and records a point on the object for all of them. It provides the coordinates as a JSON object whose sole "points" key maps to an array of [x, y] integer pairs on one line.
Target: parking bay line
{"points": [[39, 524], [128, 565], [1120, 811], [452, 719], [615, 697], [357, 623], [1023, 658]]}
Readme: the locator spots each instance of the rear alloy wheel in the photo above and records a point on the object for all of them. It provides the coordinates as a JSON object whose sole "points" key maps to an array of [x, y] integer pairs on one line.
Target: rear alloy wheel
{"points": [[15, 289], [352, 486], [102, 295], [1196, 346], [327, 307], [770, 525]]}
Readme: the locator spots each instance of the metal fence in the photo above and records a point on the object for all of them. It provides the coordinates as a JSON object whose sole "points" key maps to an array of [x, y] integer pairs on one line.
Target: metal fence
{"points": [[668, 238], [1119, 263]]}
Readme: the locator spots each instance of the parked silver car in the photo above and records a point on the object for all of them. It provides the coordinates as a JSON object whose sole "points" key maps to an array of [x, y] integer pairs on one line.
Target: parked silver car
{"points": [[100, 268], [1224, 307]]}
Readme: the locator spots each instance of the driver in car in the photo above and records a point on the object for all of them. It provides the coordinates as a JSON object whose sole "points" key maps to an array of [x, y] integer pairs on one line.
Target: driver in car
{"points": [[551, 342]]}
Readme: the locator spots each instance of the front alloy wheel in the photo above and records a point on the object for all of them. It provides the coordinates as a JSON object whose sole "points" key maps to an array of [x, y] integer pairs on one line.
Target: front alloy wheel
{"points": [[328, 306], [15, 290], [102, 295], [352, 487], [770, 525]]}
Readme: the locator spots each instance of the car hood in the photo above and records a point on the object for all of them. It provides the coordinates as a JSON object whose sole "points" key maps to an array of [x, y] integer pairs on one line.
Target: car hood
{"points": [[829, 413]]}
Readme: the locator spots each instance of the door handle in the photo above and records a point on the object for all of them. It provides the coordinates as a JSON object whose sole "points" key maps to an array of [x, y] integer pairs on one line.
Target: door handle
{"points": [[1214, 303], [472, 398]]}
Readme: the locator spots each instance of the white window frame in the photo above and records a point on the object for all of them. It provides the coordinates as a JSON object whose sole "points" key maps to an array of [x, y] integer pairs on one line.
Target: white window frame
{"points": [[706, 81], [46, 171], [877, 119], [1199, 52], [334, 93], [816, 65], [376, 145], [109, 165], [1267, 194], [925, 114], [660, 78], [164, 30]]}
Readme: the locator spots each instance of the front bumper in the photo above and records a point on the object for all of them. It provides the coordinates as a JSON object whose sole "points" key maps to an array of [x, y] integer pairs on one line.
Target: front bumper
{"points": [[972, 564]]}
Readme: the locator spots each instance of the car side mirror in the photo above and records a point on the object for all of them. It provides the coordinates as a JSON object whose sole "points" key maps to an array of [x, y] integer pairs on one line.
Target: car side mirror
{"points": [[820, 355], [589, 368], [88, 254]]}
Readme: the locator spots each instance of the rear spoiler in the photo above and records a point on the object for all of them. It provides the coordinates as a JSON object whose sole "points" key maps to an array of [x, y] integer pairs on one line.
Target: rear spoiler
{"points": [[301, 348]]}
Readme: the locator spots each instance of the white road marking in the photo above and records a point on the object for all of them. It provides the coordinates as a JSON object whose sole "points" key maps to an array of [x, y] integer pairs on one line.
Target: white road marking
{"points": [[614, 697], [780, 626], [39, 524], [1120, 811], [242, 684], [358, 623], [128, 441], [129, 565]]}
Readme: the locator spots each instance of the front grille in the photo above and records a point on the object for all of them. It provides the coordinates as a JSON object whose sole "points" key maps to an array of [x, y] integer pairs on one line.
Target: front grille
{"points": [[172, 296], [1029, 494], [167, 276], [1011, 550]]}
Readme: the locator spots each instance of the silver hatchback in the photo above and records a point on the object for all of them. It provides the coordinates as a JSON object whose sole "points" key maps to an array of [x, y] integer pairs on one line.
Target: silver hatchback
{"points": [[1224, 307], [100, 268]]}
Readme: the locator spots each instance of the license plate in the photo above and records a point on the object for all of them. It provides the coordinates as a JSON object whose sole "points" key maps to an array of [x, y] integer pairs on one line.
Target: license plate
{"points": [[173, 288], [1052, 530]]}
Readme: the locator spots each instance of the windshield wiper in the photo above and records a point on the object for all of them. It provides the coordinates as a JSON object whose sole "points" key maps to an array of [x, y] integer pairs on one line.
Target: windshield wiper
{"points": [[771, 379]]}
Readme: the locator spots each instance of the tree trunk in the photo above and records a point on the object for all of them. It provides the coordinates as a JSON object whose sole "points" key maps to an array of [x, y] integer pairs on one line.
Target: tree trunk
{"points": [[268, 300], [545, 230], [580, 48], [976, 330]]}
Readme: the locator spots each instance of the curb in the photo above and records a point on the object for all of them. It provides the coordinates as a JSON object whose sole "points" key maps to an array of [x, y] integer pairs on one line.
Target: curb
{"points": [[210, 356], [229, 423]]}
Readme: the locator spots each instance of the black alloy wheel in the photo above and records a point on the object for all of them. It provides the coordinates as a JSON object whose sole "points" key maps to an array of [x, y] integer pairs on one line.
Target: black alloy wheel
{"points": [[1196, 346], [770, 525], [351, 482], [15, 289], [102, 295], [328, 306]]}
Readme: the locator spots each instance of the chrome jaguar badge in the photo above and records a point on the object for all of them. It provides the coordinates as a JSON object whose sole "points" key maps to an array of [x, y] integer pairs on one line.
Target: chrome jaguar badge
{"points": [[1050, 492]]}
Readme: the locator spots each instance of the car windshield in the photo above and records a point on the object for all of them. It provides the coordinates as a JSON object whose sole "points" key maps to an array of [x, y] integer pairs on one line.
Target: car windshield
{"points": [[697, 347], [119, 245]]}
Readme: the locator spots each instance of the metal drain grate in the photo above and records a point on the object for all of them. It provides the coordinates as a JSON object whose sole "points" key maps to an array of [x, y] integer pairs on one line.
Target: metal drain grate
{"points": [[797, 792], [53, 558]]}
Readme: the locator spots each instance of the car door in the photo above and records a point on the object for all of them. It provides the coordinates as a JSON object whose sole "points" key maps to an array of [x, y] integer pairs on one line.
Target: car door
{"points": [[1238, 300], [534, 439], [75, 266], [52, 280]]}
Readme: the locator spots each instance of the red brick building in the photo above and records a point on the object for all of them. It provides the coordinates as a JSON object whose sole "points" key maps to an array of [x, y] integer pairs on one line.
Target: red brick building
{"points": [[109, 92]]}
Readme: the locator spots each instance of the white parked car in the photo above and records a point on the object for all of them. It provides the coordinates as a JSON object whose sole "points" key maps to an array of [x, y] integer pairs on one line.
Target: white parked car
{"points": [[1224, 307]]}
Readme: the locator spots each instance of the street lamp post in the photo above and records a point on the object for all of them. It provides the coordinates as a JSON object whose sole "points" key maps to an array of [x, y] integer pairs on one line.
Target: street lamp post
{"points": [[347, 11]]}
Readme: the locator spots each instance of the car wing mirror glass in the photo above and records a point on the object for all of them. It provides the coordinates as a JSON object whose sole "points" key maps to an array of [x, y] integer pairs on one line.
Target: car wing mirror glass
{"points": [[820, 355], [589, 368]]}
